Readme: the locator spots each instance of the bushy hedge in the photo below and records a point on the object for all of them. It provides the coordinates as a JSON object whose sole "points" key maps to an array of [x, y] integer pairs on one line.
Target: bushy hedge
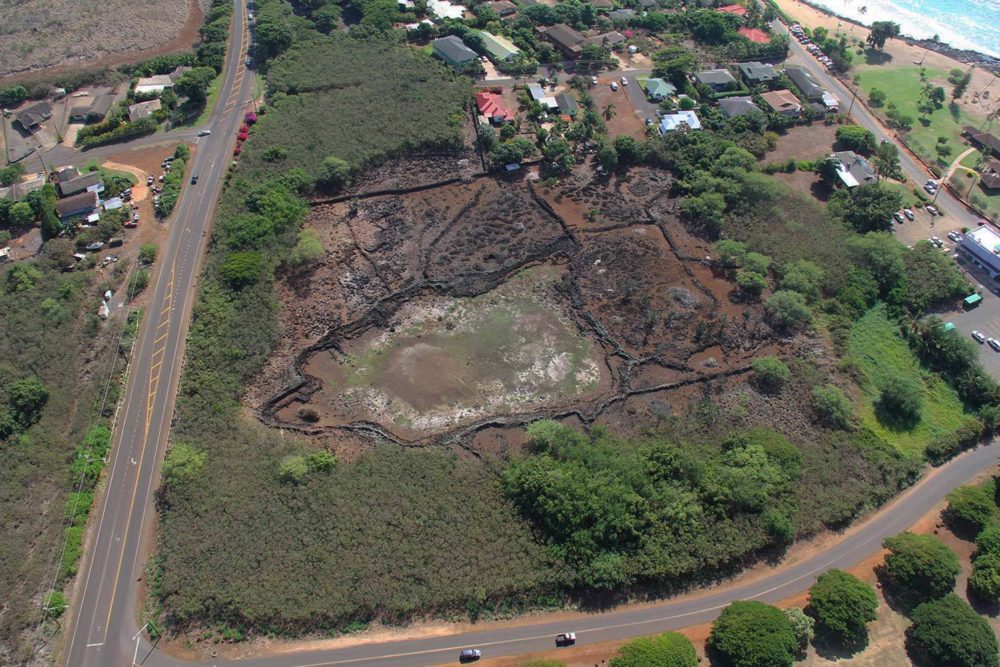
{"points": [[124, 132]]}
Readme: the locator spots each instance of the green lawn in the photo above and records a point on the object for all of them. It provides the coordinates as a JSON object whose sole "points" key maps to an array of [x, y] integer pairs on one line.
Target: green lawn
{"points": [[902, 86], [94, 165], [879, 350], [213, 95]]}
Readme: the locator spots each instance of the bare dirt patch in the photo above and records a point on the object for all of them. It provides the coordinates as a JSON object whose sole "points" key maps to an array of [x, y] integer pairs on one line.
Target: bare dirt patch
{"points": [[62, 36]]}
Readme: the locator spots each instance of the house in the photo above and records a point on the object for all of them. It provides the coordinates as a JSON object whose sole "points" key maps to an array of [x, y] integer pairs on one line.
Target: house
{"points": [[805, 82], [66, 174], [982, 140], [491, 105], [82, 204], [738, 106], [94, 111], [33, 116], [754, 73], [783, 101], [567, 40], [829, 102], [755, 35], [854, 170], [500, 49], [658, 89], [990, 175], [735, 10], [719, 80], [143, 110], [453, 51], [443, 9], [113, 203], [622, 15], [567, 105], [153, 84], [680, 120], [503, 7], [18, 191], [538, 95], [607, 39], [89, 182], [178, 72]]}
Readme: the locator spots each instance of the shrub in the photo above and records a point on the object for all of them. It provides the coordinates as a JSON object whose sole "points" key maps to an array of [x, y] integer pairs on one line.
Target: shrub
{"points": [[671, 649], [751, 282], [832, 406], [802, 276], [803, 627], [320, 461], [922, 567], [842, 605], [902, 398], [984, 582], [308, 250], [970, 508], [147, 253], [182, 462], [754, 634], [944, 447], [335, 173], [988, 541], [771, 372], [55, 603], [26, 398], [293, 468], [876, 97], [949, 632], [731, 253], [242, 269], [856, 138], [788, 310]]}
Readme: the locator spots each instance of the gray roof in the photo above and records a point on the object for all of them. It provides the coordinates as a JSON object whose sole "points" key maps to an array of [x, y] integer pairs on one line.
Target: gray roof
{"points": [[67, 174], [80, 183], [755, 71], [452, 48], [621, 14], [34, 115], [715, 77], [564, 36], [20, 190], [805, 82], [566, 103], [738, 106], [857, 166], [85, 201], [609, 38]]}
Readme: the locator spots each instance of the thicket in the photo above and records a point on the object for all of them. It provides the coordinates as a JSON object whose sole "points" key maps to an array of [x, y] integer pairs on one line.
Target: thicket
{"points": [[172, 183], [123, 132]]}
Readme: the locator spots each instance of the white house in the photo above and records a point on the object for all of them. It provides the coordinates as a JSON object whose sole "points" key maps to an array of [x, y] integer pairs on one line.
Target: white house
{"points": [[680, 120]]}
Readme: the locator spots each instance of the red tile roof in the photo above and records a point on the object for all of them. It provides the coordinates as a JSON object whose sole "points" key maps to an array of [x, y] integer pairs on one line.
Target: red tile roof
{"points": [[755, 35], [738, 10], [491, 105]]}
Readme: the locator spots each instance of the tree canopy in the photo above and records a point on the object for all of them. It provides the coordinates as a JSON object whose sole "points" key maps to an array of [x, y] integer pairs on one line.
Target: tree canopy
{"points": [[920, 566], [754, 634], [671, 649], [949, 632], [842, 605]]}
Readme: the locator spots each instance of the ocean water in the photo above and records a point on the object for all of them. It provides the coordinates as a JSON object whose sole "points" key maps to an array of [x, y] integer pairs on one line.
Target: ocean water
{"points": [[963, 24]]}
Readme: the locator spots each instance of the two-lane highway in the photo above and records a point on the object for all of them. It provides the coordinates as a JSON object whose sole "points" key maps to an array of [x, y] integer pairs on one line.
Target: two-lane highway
{"points": [[103, 617]]}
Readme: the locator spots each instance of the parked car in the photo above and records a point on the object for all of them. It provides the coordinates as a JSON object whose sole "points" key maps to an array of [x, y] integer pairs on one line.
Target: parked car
{"points": [[955, 236], [470, 655], [994, 343], [624, 81], [593, 80], [908, 212], [96, 245], [149, 180], [566, 639], [614, 86], [898, 216], [979, 337], [204, 133], [932, 210], [649, 122]]}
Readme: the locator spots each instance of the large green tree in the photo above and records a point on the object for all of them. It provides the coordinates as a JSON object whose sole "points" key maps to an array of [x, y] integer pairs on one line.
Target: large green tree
{"points": [[867, 208], [882, 31], [948, 633], [920, 566], [754, 634], [842, 605]]}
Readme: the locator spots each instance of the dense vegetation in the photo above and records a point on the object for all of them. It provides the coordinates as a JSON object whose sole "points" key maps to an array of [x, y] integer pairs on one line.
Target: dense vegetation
{"points": [[920, 567], [753, 634], [44, 412], [671, 649], [947, 631], [842, 605]]}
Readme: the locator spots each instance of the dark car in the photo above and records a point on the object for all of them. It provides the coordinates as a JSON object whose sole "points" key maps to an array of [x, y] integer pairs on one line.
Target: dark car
{"points": [[470, 655], [194, 180], [566, 639]]}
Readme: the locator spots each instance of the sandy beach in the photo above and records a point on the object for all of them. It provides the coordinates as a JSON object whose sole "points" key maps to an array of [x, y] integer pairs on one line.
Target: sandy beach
{"points": [[898, 51]]}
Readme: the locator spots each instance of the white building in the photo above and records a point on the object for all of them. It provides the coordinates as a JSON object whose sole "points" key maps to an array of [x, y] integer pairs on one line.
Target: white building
{"points": [[680, 120], [981, 246], [443, 9], [153, 84]]}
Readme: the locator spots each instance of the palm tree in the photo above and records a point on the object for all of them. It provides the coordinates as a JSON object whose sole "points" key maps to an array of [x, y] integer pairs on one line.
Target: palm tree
{"points": [[828, 168], [886, 160], [609, 111]]}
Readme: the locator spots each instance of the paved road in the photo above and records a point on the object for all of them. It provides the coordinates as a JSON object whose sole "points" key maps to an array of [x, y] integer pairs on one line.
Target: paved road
{"points": [[103, 620]]}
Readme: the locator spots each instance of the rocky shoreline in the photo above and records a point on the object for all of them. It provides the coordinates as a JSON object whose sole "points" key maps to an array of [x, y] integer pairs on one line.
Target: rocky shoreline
{"points": [[989, 63]]}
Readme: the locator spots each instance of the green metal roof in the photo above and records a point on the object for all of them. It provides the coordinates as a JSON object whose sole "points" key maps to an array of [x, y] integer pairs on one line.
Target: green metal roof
{"points": [[500, 48]]}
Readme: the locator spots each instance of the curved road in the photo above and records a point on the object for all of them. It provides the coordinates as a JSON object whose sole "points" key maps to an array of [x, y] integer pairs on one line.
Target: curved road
{"points": [[103, 630], [106, 593]]}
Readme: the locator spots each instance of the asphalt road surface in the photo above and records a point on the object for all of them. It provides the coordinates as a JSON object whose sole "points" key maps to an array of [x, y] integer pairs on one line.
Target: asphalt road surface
{"points": [[103, 618], [104, 630]]}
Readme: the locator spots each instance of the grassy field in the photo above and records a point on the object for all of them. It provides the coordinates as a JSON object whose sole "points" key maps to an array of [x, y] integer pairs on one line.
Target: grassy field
{"points": [[902, 86], [877, 347]]}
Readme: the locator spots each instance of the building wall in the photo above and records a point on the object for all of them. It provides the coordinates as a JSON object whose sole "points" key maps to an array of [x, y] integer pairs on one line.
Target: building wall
{"points": [[983, 258]]}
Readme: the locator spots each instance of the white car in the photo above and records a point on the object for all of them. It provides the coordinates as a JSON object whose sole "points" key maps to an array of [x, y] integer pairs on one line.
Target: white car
{"points": [[908, 212], [624, 81], [979, 337], [614, 86], [994, 343], [204, 133]]}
